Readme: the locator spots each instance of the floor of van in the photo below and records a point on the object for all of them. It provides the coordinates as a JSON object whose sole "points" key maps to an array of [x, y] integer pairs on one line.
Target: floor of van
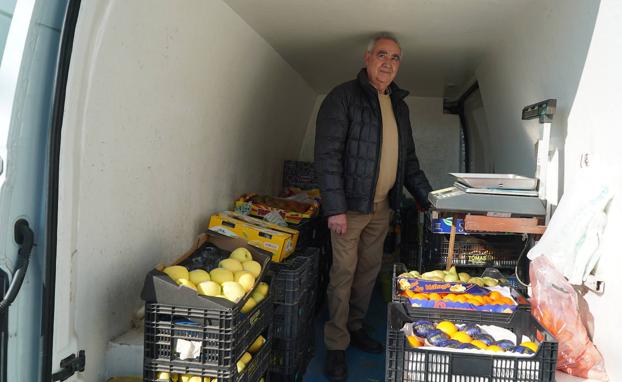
{"points": [[361, 366]]}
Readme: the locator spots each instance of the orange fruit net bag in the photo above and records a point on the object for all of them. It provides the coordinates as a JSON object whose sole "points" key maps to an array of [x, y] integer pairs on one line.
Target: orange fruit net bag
{"points": [[554, 304]]}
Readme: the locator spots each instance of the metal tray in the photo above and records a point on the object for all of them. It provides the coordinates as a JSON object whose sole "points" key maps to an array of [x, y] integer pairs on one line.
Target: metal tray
{"points": [[508, 181]]}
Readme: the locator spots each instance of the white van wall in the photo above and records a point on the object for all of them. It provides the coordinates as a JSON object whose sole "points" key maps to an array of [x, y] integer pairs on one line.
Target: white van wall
{"points": [[478, 139], [586, 84], [593, 129], [540, 57], [436, 135], [173, 108]]}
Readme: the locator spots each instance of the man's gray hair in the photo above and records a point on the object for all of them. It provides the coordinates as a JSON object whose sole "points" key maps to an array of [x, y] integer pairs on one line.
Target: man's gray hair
{"points": [[383, 36]]}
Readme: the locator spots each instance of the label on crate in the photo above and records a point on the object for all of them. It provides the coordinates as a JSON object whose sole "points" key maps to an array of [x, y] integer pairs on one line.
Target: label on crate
{"points": [[188, 349], [439, 304], [429, 286]]}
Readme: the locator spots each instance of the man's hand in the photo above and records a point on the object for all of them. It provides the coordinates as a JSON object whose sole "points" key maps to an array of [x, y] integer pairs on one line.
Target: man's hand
{"points": [[338, 224]]}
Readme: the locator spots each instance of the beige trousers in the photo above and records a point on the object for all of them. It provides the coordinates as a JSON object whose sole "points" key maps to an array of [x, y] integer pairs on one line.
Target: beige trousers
{"points": [[357, 257]]}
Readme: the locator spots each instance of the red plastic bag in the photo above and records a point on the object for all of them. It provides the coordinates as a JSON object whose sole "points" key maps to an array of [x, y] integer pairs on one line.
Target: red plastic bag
{"points": [[554, 304]]}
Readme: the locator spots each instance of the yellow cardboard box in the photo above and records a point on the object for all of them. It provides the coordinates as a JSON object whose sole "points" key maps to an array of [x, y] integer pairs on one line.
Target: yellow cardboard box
{"points": [[279, 241]]}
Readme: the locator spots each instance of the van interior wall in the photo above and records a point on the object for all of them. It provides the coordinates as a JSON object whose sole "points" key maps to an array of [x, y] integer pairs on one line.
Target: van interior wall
{"points": [[436, 136], [572, 61], [6, 15], [592, 130], [173, 109], [541, 56], [478, 137]]}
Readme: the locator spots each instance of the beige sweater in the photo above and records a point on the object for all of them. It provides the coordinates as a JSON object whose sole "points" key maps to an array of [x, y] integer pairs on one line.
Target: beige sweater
{"points": [[389, 150]]}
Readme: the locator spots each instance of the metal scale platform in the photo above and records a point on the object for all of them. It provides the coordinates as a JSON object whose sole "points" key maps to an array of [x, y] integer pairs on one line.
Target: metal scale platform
{"points": [[463, 197], [503, 194]]}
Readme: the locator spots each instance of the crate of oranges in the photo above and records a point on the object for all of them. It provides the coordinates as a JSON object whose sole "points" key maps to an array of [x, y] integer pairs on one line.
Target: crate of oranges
{"points": [[432, 294], [450, 345]]}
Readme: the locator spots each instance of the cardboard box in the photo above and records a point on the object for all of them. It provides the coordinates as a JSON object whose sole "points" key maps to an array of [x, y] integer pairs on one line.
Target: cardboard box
{"points": [[260, 210], [266, 224], [279, 241], [159, 287]]}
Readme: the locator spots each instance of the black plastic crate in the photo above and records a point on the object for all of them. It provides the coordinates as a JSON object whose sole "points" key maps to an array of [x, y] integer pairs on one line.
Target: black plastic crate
{"points": [[325, 263], [289, 320], [312, 301], [223, 336], [409, 225], [406, 364], [409, 255], [478, 250], [255, 369], [299, 174], [291, 357], [503, 318], [288, 281], [312, 254], [307, 232], [293, 276], [160, 288]]}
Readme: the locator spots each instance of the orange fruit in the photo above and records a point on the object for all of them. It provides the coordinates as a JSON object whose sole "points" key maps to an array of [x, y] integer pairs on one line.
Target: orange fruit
{"points": [[450, 297], [479, 344], [447, 327], [507, 301], [420, 296], [495, 295], [461, 337], [460, 299], [494, 348], [434, 296], [475, 302], [479, 299], [414, 341], [530, 345]]}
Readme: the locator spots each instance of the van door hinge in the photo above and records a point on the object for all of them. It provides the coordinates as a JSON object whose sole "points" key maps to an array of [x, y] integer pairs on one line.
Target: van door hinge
{"points": [[70, 366]]}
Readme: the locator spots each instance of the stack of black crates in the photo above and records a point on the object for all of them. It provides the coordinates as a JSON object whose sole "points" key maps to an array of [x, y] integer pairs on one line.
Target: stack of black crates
{"points": [[474, 253], [201, 337], [294, 289], [409, 234], [313, 232]]}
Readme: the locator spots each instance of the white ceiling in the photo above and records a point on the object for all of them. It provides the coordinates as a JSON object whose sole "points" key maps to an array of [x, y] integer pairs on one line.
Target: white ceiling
{"points": [[324, 40]]}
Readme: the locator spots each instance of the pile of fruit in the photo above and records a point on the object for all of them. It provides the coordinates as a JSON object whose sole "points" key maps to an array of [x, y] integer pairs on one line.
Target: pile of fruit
{"points": [[241, 365], [447, 334], [452, 275], [492, 298], [232, 279]]}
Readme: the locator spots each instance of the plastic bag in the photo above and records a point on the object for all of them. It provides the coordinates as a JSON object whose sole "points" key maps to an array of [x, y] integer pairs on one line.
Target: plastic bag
{"points": [[554, 304], [573, 235]]}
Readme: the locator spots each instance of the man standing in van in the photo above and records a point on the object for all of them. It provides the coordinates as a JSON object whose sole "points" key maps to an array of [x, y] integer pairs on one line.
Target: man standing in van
{"points": [[364, 154]]}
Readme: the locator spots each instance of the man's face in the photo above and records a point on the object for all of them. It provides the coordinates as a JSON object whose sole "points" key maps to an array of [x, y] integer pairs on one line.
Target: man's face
{"points": [[382, 63]]}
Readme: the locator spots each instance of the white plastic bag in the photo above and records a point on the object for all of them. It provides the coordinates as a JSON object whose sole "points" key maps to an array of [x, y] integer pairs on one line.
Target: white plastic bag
{"points": [[573, 235]]}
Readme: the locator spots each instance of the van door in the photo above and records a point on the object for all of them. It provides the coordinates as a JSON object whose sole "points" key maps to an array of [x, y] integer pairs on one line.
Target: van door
{"points": [[30, 35]]}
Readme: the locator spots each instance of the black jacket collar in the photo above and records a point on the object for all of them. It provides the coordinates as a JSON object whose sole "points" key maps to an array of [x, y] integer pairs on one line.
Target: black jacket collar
{"points": [[396, 92]]}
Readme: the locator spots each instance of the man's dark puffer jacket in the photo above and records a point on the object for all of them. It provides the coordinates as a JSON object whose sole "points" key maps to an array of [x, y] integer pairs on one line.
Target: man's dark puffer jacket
{"points": [[347, 149]]}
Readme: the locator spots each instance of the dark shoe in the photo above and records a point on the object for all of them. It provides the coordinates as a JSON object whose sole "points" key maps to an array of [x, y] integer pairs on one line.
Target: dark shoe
{"points": [[361, 340], [336, 368]]}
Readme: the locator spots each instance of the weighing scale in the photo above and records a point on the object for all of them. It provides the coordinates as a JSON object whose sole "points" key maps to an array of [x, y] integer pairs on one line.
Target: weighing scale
{"points": [[503, 194]]}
